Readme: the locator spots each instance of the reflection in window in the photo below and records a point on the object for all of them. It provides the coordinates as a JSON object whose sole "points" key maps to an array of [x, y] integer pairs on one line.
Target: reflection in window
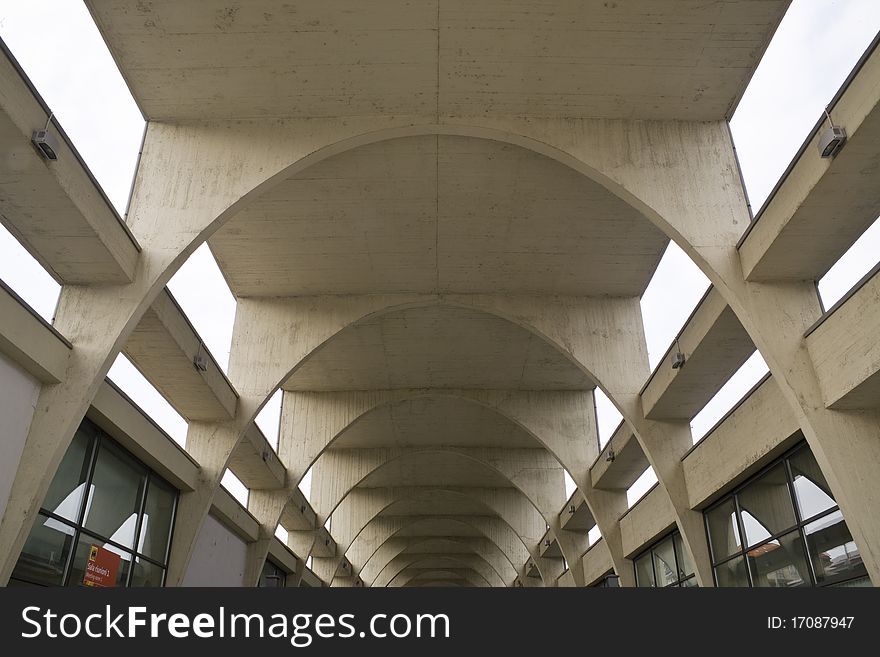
{"points": [[795, 534], [665, 564], [102, 497]]}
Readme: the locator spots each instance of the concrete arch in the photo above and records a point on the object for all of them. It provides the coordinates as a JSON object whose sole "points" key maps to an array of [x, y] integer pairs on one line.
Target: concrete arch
{"points": [[587, 146], [405, 543], [448, 577], [370, 461], [472, 561], [379, 530], [521, 529], [382, 557]]}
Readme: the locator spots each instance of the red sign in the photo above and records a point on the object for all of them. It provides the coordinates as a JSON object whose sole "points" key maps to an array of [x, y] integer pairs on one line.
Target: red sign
{"points": [[101, 568]]}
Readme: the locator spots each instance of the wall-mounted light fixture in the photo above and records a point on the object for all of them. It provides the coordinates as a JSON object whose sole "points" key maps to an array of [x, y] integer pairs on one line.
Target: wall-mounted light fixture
{"points": [[45, 141], [610, 456], [678, 358], [832, 139], [571, 508], [199, 360]]}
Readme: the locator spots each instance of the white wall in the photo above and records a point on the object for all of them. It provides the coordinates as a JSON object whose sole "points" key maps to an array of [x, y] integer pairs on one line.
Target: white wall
{"points": [[18, 397], [218, 558]]}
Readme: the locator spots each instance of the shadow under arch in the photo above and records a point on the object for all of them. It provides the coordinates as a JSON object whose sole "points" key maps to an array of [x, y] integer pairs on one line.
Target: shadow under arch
{"points": [[496, 512], [407, 550], [419, 539], [450, 558]]}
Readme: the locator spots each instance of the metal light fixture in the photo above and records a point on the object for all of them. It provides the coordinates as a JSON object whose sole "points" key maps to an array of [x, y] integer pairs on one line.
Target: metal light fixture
{"points": [[547, 542], [199, 361], [610, 456], [678, 358], [45, 141], [571, 508], [832, 139]]}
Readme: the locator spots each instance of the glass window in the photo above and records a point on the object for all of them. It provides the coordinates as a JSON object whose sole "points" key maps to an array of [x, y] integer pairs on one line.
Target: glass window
{"points": [[118, 482], [685, 568], [732, 573], [766, 506], [272, 576], [644, 571], [44, 556], [723, 530], [660, 566], [66, 492], [786, 547], [834, 554], [80, 559], [127, 510], [811, 490], [156, 522], [780, 563], [665, 569]]}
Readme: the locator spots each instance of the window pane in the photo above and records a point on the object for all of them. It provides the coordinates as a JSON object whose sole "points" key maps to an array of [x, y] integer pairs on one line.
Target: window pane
{"points": [[780, 563], [723, 531], [811, 490], [146, 573], [78, 568], [766, 506], [685, 568], [45, 553], [644, 571], [271, 576], [664, 563], [689, 583], [118, 483], [65, 494], [732, 573], [156, 523], [834, 554]]}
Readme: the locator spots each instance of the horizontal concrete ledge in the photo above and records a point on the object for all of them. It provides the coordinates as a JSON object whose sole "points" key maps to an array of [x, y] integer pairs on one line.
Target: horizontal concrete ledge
{"points": [[30, 341], [325, 546], [821, 206], [551, 551], [56, 209], [760, 428], [227, 509], [164, 346], [126, 423], [282, 555], [628, 464], [298, 515], [648, 519], [579, 521], [596, 562], [715, 346], [845, 349], [255, 462]]}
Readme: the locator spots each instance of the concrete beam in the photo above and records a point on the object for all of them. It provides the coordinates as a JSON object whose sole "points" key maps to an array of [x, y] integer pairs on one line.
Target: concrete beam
{"points": [[628, 464], [255, 463], [846, 352], [581, 520], [596, 562], [715, 345], [823, 205], [29, 341], [650, 517], [55, 208], [122, 419], [228, 509], [298, 515], [164, 346]]}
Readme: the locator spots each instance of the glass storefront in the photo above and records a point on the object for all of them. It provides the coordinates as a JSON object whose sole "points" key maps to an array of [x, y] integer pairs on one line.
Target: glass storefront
{"points": [[782, 528], [103, 507], [665, 564]]}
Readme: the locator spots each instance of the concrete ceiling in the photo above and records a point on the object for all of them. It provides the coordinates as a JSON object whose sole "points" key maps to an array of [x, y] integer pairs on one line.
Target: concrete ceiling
{"points": [[437, 347], [434, 421], [438, 214], [438, 503], [434, 469], [653, 59]]}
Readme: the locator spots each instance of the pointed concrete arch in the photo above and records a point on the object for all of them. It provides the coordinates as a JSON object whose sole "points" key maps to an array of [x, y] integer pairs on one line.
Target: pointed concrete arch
{"points": [[397, 565], [521, 525], [393, 548]]}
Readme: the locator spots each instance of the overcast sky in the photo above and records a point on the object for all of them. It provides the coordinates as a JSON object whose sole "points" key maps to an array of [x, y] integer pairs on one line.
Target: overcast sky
{"points": [[60, 48]]}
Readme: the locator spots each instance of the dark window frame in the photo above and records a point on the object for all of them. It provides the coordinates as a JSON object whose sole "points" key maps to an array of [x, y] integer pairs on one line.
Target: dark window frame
{"points": [[799, 526], [649, 552], [97, 439]]}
